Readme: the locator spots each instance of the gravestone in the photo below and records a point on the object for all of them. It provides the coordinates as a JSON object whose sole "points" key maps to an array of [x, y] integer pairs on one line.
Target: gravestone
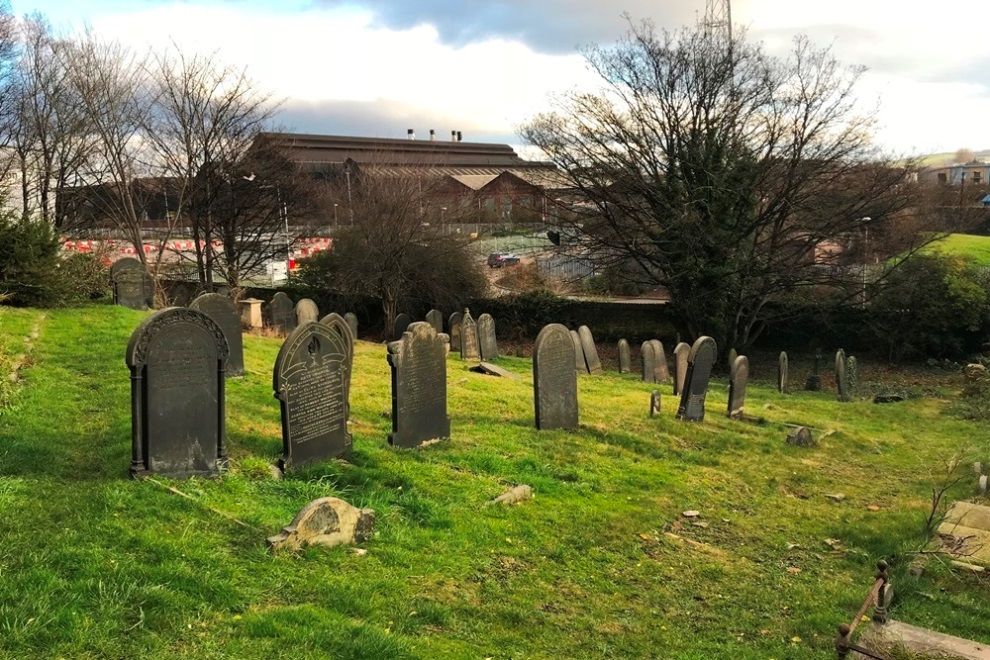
{"points": [[311, 381], [782, 372], [579, 362], [419, 387], [454, 326], [814, 382], [352, 323], [555, 379], [681, 352], [852, 376], [648, 360], [435, 318], [660, 362], [251, 313], [282, 313], [801, 437], [224, 313], [486, 337], [469, 337], [402, 322], [337, 323], [177, 358], [307, 312], [654, 403], [590, 350], [737, 387], [701, 359], [132, 285], [624, 365], [841, 384], [733, 354], [125, 264]]}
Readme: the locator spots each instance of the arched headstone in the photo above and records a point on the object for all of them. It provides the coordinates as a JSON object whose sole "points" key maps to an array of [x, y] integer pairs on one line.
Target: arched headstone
{"points": [[454, 327], [307, 312], [782, 366], [486, 337], [340, 326], [737, 387], [224, 312], [590, 350], [435, 318], [681, 352], [624, 364], [659, 362], [554, 379], [469, 338], [733, 354], [282, 313], [648, 361], [133, 287], [402, 322], [699, 371], [419, 387], [579, 362], [352, 323]]}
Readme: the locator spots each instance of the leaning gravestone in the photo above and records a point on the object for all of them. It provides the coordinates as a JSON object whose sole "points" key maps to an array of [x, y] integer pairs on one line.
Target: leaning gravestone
{"points": [[555, 379], [590, 350], [782, 373], [660, 362], [699, 372], [737, 386], [648, 360], [282, 313], [419, 387], [310, 379], [852, 376], [579, 362], [224, 313], [177, 358], [624, 365], [352, 323], [402, 322], [435, 318], [681, 352], [469, 337], [486, 337], [307, 312], [841, 384], [454, 326]]}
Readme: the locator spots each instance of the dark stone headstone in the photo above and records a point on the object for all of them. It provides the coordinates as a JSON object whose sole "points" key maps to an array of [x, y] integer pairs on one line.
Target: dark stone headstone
{"points": [[224, 312], [311, 381], [579, 362], [659, 362], [590, 350], [782, 372], [624, 364], [125, 264], [555, 379], [841, 385], [340, 326], [852, 376], [699, 372], [352, 323], [419, 387], [402, 322], [133, 287], [681, 352], [486, 337], [648, 359], [654, 403], [469, 338], [737, 386], [454, 326], [306, 312], [888, 397], [801, 437], [814, 382], [177, 358], [435, 318], [282, 313]]}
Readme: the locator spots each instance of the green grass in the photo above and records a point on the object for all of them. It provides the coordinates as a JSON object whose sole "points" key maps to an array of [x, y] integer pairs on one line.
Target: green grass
{"points": [[600, 564], [974, 248]]}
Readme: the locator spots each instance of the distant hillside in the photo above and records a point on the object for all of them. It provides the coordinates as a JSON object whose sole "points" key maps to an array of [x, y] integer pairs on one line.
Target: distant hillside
{"points": [[949, 158]]}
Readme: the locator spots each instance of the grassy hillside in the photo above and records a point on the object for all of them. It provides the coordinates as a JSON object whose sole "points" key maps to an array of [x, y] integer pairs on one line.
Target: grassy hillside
{"points": [[975, 248], [600, 564]]}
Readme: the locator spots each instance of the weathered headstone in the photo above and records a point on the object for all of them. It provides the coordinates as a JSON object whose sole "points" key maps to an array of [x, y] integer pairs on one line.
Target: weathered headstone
{"points": [[681, 352], [435, 318], [419, 387], [224, 312], [132, 285], [352, 323], [282, 313], [486, 337], [814, 382], [469, 337], [654, 403], [454, 327], [177, 358], [733, 354], [311, 381], [490, 369], [402, 322], [699, 371], [555, 379], [624, 365], [337, 323], [801, 437], [579, 362], [782, 372], [327, 521], [852, 376], [737, 386], [125, 264], [648, 360], [841, 385], [251, 316], [307, 312], [660, 362], [590, 350]]}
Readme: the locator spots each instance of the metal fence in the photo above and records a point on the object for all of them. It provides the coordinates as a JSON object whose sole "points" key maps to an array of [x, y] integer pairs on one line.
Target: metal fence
{"points": [[565, 267]]}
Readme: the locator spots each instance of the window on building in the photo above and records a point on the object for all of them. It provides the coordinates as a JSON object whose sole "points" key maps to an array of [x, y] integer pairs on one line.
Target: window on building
{"points": [[942, 178], [976, 177]]}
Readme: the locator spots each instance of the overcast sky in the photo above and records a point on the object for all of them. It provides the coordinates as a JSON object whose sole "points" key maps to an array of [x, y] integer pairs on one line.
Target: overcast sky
{"points": [[378, 67]]}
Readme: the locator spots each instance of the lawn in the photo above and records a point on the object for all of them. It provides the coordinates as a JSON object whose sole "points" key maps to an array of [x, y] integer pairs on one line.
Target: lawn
{"points": [[974, 248], [600, 564]]}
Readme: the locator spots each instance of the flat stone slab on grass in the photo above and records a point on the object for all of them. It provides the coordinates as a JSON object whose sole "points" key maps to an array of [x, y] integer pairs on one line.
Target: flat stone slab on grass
{"points": [[493, 370], [327, 521], [969, 524], [922, 640]]}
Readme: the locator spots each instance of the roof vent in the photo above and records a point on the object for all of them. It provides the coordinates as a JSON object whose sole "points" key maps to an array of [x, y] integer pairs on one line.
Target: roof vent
{"points": [[411, 133]]}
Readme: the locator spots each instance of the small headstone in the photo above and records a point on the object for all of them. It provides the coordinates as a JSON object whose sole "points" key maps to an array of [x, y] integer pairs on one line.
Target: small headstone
{"points": [[327, 521], [841, 384], [648, 360], [311, 381], [435, 318], [800, 437], [307, 312], [737, 386], [623, 356], [699, 372], [852, 376], [733, 354], [419, 387], [681, 353], [814, 382], [125, 264], [224, 312], [402, 322], [982, 484], [555, 379], [486, 337], [177, 359], [579, 361], [782, 372], [470, 350], [251, 312], [133, 287], [659, 362], [352, 323], [590, 350], [454, 328], [654, 403], [282, 313]]}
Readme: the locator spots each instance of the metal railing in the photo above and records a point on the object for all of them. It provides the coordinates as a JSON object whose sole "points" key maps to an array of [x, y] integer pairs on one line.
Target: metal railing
{"points": [[880, 596]]}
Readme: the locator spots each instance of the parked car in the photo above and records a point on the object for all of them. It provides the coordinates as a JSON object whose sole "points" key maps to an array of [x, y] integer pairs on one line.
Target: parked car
{"points": [[500, 259]]}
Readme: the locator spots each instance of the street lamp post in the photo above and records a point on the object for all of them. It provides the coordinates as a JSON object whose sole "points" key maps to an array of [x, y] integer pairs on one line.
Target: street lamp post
{"points": [[335, 215]]}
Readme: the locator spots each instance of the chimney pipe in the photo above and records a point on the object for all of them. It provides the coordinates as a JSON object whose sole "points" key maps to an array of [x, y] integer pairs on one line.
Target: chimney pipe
{"points": [[453, 136], [411, 134], [433, 135], [459, 137]]}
